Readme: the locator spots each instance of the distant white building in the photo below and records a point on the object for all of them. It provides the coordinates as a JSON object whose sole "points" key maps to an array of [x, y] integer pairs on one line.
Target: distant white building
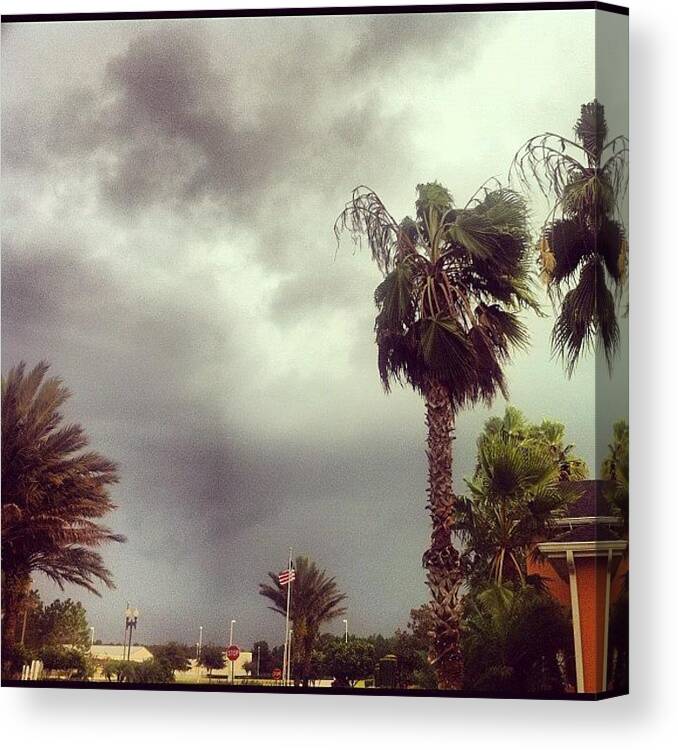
{"points": [[115, 653]]}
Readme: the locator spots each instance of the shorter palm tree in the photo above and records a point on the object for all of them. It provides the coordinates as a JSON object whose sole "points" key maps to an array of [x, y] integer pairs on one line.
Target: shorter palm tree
{"points": [[514, 640], [515, 494], [52, 493], [315, 600]]}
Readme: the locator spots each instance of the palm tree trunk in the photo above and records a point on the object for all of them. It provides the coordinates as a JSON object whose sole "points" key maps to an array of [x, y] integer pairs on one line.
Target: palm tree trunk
{"points": [[14, 591], [442, 559]]}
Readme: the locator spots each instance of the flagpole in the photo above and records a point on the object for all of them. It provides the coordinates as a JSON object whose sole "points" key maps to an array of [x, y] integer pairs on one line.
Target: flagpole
{"points": [[287, 620]]}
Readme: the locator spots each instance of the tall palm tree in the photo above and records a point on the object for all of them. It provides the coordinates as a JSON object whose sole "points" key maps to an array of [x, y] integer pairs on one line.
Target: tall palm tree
{"points": [[582, 249], [52, 492], [454, 281], [315, 600], [515, 494]]}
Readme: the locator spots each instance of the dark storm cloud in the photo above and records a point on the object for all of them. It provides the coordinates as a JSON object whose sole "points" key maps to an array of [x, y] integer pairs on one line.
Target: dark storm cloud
{"points": [[135, 362], [162, 128], [168, 246], [388, 40], [176, 134]]}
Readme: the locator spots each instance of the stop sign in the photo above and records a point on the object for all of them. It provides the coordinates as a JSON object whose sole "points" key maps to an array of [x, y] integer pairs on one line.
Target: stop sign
{"points": [[232, 652], [277, 674]]}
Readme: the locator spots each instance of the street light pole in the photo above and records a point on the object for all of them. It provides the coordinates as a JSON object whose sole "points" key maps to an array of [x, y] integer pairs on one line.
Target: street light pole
{"points": [[91, 639], [124, 640], [345, 631], [131, 617], [258, 660], [230, 643], [198, 653]]}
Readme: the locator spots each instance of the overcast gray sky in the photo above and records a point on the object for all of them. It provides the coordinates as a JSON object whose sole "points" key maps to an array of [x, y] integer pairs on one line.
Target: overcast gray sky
{"points": [[169, 193]]}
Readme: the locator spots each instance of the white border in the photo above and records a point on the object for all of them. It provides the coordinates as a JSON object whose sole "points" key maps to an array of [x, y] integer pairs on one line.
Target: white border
{"points": [[63, 719]]}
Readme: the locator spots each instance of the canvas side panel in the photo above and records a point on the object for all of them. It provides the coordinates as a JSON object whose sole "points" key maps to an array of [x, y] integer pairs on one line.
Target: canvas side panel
{"points": [[612, 373]]}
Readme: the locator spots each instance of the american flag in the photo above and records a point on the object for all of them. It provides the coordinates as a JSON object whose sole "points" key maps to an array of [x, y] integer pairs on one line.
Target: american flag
{"points": [[286, 576]]}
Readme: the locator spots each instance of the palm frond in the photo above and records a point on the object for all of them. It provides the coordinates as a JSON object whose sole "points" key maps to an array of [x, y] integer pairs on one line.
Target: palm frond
{"points": [[53, 492]]}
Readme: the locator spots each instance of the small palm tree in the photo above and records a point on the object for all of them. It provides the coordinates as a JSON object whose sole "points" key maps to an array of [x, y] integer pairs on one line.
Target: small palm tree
{"points": [[52, 494], [582, 249], [514, 640], [518, 489], [316, 599], [447, 322]]}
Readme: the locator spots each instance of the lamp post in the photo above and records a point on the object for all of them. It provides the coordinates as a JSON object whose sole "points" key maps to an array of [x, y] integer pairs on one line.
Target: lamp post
{"points": [[131, 618], [345, 631], [230, 643], [91, 639], [198, 653], [258, 660]]}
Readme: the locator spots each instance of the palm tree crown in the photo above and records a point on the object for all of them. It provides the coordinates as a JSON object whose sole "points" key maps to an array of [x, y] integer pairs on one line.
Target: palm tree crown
{"points": [[582, 249], [519, 487], [52, 492], [454, 279]]}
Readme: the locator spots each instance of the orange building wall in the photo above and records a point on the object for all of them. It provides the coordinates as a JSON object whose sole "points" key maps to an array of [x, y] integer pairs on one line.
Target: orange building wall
{"points": [[558, 588], [591, 581]]}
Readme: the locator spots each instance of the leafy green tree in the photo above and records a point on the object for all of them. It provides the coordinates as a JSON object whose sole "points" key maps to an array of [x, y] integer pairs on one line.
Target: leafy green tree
{"points": [[381, 644], [412, 647], [514, 639], [515, 494], [582, 249], [177, 655], [60, 623], [75, 664], [262, 656], [616, 470], [349, 661], [212, 657], [315, 600], [447, 322], [110, 669], [156, 670], [52, 495]]}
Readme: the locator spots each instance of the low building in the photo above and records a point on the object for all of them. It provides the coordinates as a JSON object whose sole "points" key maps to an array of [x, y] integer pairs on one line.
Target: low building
{"points": [[584, 563], [108, 652]]}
